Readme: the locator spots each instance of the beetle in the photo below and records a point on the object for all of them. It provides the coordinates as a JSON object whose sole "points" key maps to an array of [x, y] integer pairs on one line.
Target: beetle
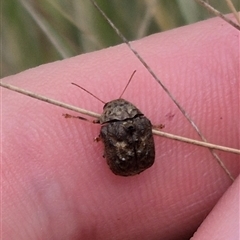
{"points": [[127, 136]]}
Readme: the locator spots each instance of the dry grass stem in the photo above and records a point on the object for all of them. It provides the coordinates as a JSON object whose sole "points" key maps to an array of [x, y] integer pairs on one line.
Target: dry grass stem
{"points": [[195, 142], [234, 11], [219, 14], [48, 100], [96, 115]]}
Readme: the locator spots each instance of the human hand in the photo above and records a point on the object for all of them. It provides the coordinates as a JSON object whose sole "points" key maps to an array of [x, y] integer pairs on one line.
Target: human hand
{"points": [[56, 185]]}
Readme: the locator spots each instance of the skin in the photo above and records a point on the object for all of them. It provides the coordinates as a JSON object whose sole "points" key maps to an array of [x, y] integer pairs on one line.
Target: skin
{"points": [[57, 185]]}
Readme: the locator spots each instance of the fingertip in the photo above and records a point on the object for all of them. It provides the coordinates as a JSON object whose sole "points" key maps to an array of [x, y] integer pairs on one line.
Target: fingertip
{"points": [[223, 221]]}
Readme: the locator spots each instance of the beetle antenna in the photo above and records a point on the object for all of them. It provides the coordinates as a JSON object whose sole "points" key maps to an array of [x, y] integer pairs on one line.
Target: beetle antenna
{"points": [[127, 83], [89, 93]]}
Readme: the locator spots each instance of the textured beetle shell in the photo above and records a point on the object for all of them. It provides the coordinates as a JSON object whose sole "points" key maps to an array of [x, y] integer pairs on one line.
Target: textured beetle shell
{"points": [[118, 109], [127, 137]]}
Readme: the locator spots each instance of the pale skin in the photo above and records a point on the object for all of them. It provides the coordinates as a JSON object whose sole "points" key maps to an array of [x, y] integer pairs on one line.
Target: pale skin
{"points": [[57, 185]]}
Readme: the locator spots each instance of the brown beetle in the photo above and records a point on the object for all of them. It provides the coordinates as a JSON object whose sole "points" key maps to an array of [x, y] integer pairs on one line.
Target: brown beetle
{"points": [[127, 136]]}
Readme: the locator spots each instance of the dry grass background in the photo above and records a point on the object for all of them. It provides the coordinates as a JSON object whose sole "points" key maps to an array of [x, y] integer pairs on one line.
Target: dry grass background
{"points": [[35, 32]]}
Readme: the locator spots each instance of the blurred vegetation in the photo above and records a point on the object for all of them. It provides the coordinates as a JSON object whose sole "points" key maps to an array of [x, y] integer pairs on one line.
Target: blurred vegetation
{"points": [[35, 32]]}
